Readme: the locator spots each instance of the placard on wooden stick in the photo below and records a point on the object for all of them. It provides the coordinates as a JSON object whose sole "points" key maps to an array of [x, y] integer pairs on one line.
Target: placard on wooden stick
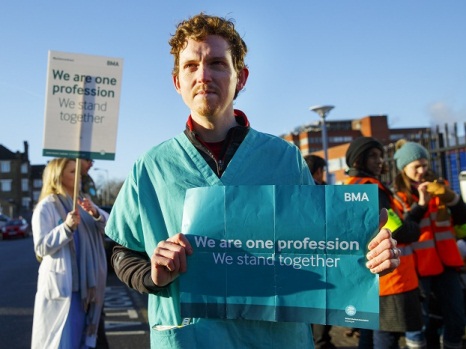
{"points": [[82, 106]]}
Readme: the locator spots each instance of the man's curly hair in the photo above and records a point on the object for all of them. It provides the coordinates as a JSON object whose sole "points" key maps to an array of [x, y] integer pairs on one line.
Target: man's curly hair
{"points": [[198, 28]]}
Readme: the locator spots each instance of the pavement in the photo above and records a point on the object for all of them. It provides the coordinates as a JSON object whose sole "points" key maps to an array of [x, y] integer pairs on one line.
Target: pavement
{"points": [[340, 340]]}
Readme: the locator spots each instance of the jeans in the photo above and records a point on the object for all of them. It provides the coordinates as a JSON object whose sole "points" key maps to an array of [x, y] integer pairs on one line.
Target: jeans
{"points": [[378, 339], [446, 287], [386, 340]]}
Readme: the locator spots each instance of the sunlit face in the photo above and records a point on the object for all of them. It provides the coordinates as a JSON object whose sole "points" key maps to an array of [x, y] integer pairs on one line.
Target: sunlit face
{"points": [[374, 162], [67, 177], [207, 80], [416, 170]]}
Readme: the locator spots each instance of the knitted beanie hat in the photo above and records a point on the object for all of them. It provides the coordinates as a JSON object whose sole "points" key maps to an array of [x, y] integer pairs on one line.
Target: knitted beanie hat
{"points": [[409, 152], [359, 146]]}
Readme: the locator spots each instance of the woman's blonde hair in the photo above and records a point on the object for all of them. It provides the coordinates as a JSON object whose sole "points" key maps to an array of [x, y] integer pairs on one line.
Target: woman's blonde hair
{"points": [[52, 178]]}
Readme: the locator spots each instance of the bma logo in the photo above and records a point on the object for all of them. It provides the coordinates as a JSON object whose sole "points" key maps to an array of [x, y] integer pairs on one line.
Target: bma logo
{"points": [[350, 310], [356, 197], [114, 63]]}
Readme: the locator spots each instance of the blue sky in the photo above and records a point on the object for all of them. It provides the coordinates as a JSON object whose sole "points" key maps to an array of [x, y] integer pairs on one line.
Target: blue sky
{"points": [[405, 59]]}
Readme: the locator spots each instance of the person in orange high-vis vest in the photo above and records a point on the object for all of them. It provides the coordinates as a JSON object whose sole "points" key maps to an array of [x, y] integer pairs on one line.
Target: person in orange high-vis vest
{"points": [[436, 208], [400, 307]]}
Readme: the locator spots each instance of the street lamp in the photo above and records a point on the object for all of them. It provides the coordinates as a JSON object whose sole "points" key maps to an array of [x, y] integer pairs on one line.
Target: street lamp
{"points": [[107, 189], [322, 111]]}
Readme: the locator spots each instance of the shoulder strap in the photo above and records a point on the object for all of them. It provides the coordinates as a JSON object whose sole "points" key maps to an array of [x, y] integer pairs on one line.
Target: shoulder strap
{"points": [[398, 200]]}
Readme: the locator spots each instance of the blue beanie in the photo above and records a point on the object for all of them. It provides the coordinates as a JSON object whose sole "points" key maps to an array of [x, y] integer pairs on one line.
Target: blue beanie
{"points": [[409, 152]]}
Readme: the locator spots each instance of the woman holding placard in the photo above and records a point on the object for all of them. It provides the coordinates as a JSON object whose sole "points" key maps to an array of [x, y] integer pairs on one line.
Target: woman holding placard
{"points": [[72, 272]]}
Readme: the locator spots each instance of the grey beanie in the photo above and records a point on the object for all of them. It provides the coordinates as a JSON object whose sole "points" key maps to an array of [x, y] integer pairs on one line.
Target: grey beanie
{"points": [[409, 152]]}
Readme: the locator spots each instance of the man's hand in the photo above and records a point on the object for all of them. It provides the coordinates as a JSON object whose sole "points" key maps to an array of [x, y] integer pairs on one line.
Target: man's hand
{"points": [[169, 259], [383, 256]]}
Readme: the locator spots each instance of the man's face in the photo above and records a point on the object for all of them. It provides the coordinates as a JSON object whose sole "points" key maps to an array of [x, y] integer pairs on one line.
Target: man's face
{"points": [[374, 162], [207, 80], [319, 175], [86, 165]]}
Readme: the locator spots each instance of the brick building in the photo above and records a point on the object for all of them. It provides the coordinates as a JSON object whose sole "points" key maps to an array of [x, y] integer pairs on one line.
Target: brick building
{"points": [[340, 133], [17, 180]]}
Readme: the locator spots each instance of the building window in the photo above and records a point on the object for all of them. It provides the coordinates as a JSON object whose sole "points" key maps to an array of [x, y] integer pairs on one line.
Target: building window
{"points": [[37, 183], [24, 184], [395, 136], [5, 167], [35, 195], [25, 202], [340, 139], [24, 168], [5, 185]]}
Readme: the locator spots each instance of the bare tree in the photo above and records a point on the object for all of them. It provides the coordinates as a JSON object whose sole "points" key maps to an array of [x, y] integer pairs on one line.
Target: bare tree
{"points": [[108, 191]]}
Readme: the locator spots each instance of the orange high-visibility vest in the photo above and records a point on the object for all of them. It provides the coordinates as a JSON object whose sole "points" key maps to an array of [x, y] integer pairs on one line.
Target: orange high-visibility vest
{"points": [[403, 278], [436, 247]]}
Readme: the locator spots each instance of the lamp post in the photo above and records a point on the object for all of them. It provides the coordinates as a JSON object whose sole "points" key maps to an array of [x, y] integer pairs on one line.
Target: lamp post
{"points": [[107, 189], [322, 111]]}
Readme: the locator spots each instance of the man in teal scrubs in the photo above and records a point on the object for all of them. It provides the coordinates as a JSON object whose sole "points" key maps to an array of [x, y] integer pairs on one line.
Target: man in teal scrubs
{"points": [[218, 148]]}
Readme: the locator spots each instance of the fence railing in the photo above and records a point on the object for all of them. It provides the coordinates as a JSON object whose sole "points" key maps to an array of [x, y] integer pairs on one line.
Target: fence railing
{"points": [[447, 153]]}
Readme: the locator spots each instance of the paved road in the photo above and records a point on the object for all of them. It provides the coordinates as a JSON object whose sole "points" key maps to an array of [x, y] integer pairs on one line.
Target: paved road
{"points": [[18, 283], [341, 340], [126, 320]]}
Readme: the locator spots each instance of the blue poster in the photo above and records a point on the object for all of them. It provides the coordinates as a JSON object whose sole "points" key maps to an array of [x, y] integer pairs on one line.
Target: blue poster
{"points": [[281, 253]]}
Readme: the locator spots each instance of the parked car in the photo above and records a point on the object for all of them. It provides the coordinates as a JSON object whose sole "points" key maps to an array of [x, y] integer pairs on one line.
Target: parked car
{"points": [[17, 227], [3, 219]]}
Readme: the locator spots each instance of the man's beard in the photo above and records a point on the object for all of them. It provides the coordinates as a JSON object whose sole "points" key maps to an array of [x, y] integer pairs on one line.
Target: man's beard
{"points": [[207, 107]]}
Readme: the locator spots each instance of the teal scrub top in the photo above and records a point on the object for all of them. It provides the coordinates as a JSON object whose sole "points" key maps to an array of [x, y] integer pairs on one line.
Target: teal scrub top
{"points": [[149, 209]]}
